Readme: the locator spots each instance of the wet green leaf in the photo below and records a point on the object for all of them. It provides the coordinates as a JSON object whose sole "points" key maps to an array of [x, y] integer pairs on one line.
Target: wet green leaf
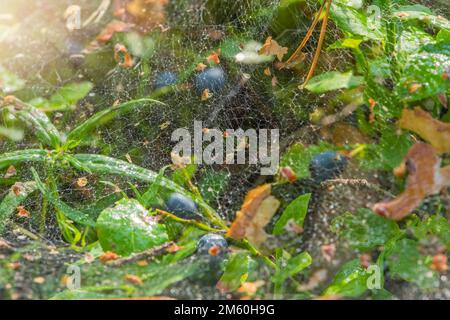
{"points": [[75, 136], [20, 156], [420, 13], [236, 272], [64, 98], [364, 230], [333, 80], [128, 227], [290, 266], [350, 281], [295, 211], [406, 262], [426, 73]]}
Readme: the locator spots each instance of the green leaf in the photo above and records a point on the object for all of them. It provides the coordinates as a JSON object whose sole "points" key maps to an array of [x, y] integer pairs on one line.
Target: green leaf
{"points": [[44, 129], [20, 156], [435, 225], [353, 22], [334, 80], [296, 211], [69, 212], [64, 98], [298, 158], [350, 281], [79, 133], [347, 43], [11, 133], [236, 272], [150, 197], [425, 74], [106, 165], [140, 46], [364, 230], [406, 262], [291, 266], [128, 227], [181, 176], [422, 14], [13, 199], [213, 184], [388, 153]]}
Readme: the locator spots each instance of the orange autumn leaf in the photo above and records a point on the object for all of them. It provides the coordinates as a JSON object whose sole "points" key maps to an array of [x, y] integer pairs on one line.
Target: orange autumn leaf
{"points": [[425, 178], [436, 132], [112, 27], [122, 56], [214, 57], [257, 210], [271, 47], [108, 256], [22, 212], [133, 279]]}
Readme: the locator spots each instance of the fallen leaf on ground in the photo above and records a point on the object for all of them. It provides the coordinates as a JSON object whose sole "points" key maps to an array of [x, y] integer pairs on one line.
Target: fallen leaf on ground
{"points": [[271, 47], [10, 172], [257, 210], [425, 178], [439, 263], [250, 288], [22, 212], [436, 132]]}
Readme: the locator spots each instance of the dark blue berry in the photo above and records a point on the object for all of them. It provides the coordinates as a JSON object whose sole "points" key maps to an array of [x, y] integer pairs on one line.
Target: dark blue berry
{"points": [[213, 245], [165, 79], [327, 165], [212, 79], [182, 206]]}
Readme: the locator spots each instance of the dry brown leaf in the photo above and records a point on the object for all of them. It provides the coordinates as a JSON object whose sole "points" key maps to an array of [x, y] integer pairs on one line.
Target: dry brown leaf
{"points": [[82, 182], [425, 178], [206, 94], [250, 288], [122, 56], [200, 67], [145, 14], [431, 130], [10, 172], [39, 280], [271, 47], [22, 212], [256, 211], [267, 72], [328, 251]]}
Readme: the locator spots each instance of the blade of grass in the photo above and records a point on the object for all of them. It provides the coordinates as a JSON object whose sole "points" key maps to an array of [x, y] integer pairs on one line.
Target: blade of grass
{"points": [[68, 211], [75, 136], [106, 165], [45, 131], [16, 157], [18, 193]]}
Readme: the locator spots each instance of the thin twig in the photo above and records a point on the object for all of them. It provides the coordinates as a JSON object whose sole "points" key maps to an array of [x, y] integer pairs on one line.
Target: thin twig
{"points": [[195, 223], [145, 255]]}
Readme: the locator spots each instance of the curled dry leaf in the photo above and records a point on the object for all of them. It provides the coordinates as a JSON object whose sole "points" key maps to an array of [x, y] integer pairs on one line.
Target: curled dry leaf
{"points": [[425, 178], [250, 288], [258, 208], [82, 182], [271, 47], [22, 212], [122, 56], [206, 94], [436, 132], [10, 172], [328, 251]]}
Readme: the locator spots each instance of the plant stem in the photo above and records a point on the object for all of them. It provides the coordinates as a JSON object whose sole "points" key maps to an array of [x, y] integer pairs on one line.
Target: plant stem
{"points": [[195, 223]]}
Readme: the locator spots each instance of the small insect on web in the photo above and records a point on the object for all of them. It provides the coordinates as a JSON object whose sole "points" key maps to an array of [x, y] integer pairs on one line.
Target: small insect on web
{"points": [[297, 55]]}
